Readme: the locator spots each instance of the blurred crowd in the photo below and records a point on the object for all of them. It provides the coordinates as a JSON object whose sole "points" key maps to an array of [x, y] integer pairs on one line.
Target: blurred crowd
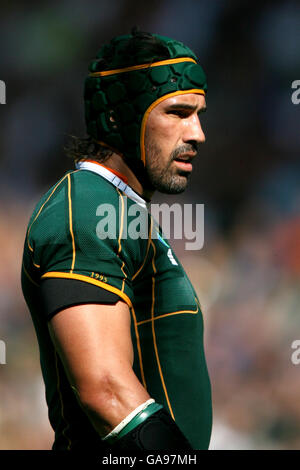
{"points": [[247, 175]]}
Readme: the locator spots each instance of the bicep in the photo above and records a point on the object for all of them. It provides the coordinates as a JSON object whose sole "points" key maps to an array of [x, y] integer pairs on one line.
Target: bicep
{"points": [[92, 340]]}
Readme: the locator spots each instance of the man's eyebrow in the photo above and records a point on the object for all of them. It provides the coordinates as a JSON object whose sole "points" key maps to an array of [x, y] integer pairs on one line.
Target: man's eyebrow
{"points": [[188, 107]]}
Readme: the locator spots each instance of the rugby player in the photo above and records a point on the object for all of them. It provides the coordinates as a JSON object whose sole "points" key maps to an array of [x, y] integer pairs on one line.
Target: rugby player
{"points": [[118, 322]]}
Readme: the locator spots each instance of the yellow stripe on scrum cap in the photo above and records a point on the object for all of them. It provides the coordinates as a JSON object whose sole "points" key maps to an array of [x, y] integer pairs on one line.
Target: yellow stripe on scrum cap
{"points": [[142, 66], [155, 103]]}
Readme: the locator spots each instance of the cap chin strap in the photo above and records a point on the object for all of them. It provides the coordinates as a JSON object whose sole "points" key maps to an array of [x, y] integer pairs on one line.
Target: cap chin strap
{"points": [[139, 170]]}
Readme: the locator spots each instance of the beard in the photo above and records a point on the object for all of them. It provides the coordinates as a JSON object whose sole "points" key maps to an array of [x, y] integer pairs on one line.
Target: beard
{"points": [[166, 177]]}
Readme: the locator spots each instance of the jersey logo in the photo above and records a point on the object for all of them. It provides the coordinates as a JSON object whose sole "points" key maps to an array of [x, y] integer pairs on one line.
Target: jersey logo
{"points": [[171, 257]]}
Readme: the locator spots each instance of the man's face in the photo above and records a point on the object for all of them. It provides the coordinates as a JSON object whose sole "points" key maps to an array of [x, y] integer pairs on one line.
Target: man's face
{"points": [[173, 135]]}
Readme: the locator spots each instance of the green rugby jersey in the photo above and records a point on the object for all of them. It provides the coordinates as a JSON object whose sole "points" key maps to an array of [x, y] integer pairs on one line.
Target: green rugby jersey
{"points": [[65, 244]]}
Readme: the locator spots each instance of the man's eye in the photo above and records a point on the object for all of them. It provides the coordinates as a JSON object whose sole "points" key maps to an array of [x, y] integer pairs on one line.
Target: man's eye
{"points": [[179, 113]]}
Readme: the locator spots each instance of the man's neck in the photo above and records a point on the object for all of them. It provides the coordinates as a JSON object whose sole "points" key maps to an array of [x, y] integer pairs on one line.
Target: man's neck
{"points": [[117, 163]]}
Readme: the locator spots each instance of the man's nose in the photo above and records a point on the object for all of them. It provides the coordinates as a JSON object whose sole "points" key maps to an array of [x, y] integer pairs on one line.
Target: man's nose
{"points": [[194, 131]]}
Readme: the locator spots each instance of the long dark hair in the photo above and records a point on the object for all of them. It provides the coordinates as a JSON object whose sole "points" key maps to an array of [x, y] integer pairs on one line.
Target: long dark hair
{"points": [[83, 148]]}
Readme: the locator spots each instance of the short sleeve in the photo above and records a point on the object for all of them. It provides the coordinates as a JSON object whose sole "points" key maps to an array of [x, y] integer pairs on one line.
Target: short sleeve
{"points": [[59, 294], [75, 237]]}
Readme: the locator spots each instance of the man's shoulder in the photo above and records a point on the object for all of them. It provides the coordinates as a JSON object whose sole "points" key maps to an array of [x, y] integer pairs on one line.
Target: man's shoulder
{"points": [[74, 198], [77, 187], [88, 184]]}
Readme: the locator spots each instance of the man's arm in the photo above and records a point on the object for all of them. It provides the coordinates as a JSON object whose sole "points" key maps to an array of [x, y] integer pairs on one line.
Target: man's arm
{"points": [[94, 344]]}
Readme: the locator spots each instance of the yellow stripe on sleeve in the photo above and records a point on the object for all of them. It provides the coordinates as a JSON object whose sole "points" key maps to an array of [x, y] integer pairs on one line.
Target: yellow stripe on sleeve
{"points": [[95, 282]]}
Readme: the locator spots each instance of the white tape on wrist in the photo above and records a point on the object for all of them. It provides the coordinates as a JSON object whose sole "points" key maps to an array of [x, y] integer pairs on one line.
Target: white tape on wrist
{"points": [[128, 418]]}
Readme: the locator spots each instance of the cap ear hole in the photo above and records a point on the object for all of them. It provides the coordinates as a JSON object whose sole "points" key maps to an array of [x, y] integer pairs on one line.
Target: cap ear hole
{"points": [[112, 116], [173, 79]]}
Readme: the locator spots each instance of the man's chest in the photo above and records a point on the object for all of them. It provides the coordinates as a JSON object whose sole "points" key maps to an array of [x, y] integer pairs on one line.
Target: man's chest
{"points": [[163, 288]]}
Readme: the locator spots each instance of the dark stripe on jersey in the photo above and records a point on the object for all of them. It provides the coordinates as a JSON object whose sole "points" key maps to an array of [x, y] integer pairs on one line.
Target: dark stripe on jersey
{"points": [[58, 294]]}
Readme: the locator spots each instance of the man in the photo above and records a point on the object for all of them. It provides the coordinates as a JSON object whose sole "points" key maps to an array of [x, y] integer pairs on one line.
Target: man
{"points": [[119, 324]]}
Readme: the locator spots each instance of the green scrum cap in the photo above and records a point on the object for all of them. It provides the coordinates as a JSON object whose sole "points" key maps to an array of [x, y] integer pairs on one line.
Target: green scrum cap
{"points": [[118, 101]]}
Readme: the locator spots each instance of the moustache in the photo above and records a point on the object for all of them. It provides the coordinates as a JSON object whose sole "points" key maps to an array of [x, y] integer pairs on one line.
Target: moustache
{"points": [[190, 149]]}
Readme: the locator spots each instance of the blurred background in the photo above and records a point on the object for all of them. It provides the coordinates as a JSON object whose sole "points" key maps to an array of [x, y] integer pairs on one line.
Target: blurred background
{"points": [[247, 175]]}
